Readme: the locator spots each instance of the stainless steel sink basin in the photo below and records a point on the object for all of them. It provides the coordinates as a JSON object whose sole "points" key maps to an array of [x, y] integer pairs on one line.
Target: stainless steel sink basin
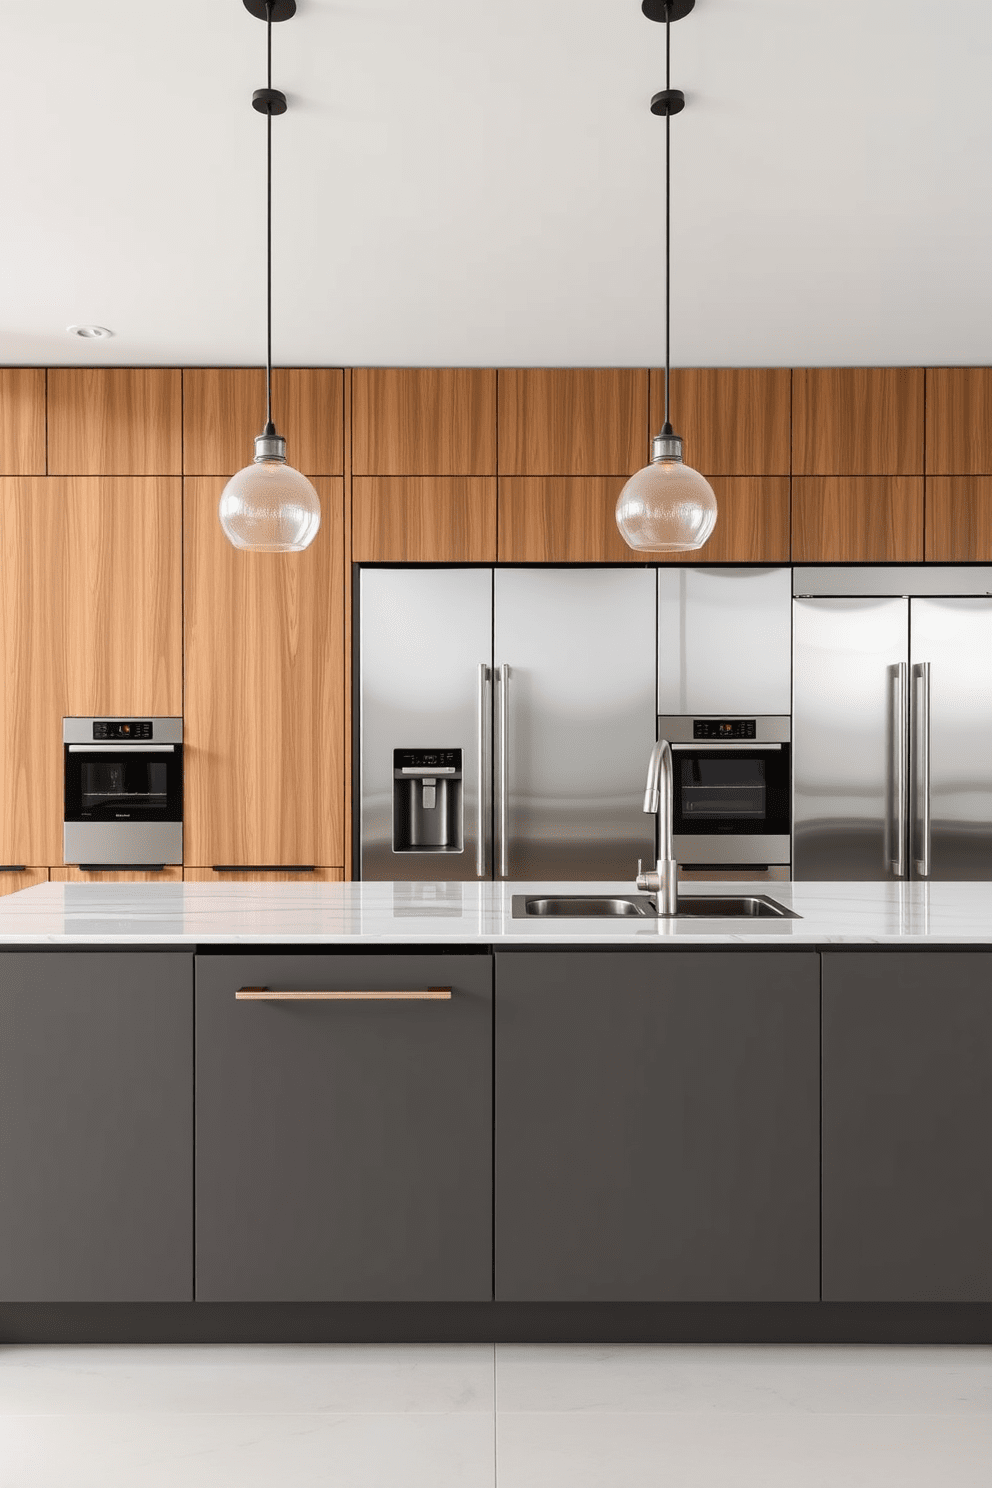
{"points": [[641, 906]]}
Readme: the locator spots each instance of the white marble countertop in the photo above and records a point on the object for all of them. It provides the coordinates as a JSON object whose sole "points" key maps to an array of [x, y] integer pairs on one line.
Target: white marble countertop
{"points": [[477, 914]]}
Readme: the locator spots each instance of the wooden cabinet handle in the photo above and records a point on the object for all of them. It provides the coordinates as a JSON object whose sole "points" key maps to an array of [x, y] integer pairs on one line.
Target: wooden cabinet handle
{"points": [[421, 994]]}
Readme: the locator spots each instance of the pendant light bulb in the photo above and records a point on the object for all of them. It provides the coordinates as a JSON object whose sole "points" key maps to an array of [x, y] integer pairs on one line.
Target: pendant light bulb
{"points": [[667, 507]]}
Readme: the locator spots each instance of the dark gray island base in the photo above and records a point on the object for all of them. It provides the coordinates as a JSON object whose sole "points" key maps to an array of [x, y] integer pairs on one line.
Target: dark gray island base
{"points": [[608, 1144]]}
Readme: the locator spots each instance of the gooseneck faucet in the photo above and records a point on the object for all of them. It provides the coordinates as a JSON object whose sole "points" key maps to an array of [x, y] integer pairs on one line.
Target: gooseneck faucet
{"points": [[658, 800]]}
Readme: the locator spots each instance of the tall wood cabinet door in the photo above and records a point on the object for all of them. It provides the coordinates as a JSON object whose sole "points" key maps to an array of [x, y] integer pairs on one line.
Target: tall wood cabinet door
{"points": [[959, 421], [857, 421], [423, 519], [344, 1144], [572, 421], [423, 421], [857, 519], [114, 421], [224, 409], [657, 1126], [264, 720], [22, 421], [734, 420], [907, 1126], [96, 1126]]}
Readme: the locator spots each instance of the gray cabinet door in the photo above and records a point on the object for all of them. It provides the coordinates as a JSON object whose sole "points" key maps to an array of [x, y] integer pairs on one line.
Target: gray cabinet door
{"points": [[96, 1126], [907, 1126], [657, 1126], [343, 1148]]}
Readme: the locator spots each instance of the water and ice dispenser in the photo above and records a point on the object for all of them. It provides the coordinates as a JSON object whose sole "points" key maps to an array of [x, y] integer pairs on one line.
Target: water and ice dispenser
{"points": [[427, 801]]}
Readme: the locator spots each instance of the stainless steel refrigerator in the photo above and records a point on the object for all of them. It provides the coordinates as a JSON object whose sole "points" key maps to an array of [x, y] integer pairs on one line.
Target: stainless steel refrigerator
{"points": [[892, 723], [505, 720]]}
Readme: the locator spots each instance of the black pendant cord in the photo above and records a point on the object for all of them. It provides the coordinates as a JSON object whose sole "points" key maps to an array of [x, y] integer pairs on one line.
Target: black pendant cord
{"points": [[668, 208], [268, 236]]}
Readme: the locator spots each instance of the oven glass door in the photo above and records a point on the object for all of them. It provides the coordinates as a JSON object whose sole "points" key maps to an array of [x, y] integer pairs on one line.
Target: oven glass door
{"points": [[129, 784], [737, 792]]}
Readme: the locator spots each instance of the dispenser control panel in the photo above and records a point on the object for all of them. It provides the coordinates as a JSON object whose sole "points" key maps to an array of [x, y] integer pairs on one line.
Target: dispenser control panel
{"points": [[419, 761]]}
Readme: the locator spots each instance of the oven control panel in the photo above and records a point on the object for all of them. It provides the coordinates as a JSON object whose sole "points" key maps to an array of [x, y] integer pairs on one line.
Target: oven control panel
{"points": [[724, 728], [116, 728]]}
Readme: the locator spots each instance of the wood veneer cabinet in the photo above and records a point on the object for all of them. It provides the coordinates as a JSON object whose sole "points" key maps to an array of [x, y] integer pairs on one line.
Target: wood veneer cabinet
{"points": [[562, 519], [857, 520], [958, 518], [734, 420], [753, 523], [209, 875], [857, 421], [264, 719], [14, 879], [959, 421], [423, 519], [114, 421], [22, 421], [116, 875], [423, 421], [224, 410], [572, 421]]}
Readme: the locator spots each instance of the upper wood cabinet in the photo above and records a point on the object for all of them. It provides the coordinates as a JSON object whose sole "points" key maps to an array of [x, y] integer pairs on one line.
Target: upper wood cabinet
{"points": [[857, 421], [752, 526], [734, 420], [264, 722], [959, 519], [857, 520], [959, 421], [572, 421], [423, 421], [114, 421], [224, 410], [562, 519], [423, 519], [22, 421]]}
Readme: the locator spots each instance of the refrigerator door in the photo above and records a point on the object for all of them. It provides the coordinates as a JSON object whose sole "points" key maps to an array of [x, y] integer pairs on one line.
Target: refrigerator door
{"points": [[575, 721], [850, 702], [951, 652], [425, 652], [724, 640]]}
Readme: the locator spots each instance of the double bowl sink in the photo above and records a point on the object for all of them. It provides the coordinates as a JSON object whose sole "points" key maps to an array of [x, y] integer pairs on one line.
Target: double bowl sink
{"points": [[643, 906]]}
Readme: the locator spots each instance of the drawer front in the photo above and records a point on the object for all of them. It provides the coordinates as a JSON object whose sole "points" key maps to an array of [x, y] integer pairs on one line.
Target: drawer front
{"points": [[343, 1141]]}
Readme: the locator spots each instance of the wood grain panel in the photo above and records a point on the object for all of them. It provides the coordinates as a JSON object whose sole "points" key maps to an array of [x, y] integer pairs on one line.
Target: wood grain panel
{"points": [[11, 883], [22, 421], [224, 409], [423, 421], [572, 421], [959, 421], [734, 420], [857, 520], [562, 519], [753, 523], [959, 519], [124, 595], [424, 519], [264, 691], [116, 875], [857, 421], [33, 654], [114, 421], [207, 875]]}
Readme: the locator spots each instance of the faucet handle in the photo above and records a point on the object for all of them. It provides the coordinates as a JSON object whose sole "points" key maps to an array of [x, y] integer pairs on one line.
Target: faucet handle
{"points": [[640, 868]]}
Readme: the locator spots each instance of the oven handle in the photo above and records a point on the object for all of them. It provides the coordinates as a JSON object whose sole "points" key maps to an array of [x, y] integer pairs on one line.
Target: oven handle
{"points": [[700, 744], [123, 748]]}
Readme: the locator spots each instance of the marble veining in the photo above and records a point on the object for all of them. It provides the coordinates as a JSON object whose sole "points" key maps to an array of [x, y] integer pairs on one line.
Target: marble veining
{"points": [[405, 913]]}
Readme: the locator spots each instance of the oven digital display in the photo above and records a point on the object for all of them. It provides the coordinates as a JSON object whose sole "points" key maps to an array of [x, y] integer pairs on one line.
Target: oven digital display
{"points": [[724, 728], [117, 728]]}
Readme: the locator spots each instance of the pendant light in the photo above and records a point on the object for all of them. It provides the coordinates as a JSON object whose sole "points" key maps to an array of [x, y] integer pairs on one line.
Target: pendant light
{"points": [[667, 507], [269, 507]]}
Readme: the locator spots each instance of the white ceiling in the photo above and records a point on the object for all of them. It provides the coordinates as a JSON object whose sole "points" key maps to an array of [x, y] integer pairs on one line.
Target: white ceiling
{"points": [[479, 182]]}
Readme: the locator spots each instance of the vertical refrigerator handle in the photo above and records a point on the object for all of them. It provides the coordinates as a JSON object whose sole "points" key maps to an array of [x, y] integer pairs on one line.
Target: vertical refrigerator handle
{"points": [[900, 742], [480, 816], [921, 673], [504, 771]]}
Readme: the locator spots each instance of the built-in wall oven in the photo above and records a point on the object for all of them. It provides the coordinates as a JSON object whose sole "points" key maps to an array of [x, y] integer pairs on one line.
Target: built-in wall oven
{"points": [[732, 795], [123, 792]]}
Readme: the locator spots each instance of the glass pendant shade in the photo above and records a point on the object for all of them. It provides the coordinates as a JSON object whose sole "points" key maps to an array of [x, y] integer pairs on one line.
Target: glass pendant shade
{"points": [[269, 507], [667, 507]]}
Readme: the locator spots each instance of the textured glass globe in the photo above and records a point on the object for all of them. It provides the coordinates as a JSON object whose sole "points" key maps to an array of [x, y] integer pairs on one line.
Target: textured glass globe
{"points": [[666, 508], [270, 508]]}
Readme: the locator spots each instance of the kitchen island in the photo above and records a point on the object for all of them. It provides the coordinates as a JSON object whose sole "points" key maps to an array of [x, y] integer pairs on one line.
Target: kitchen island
{"points": [[398, 1110]]}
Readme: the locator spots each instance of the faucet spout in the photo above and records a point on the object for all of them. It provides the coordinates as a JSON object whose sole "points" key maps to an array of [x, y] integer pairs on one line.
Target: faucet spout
{"points": [[659, 794]]}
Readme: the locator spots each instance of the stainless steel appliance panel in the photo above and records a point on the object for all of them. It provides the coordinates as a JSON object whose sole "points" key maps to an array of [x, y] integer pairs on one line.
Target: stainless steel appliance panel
{"points": [[923, 579], [425, 653], [850, 746], [724, 640], [120, 844], [951, 658], [576, 715]]}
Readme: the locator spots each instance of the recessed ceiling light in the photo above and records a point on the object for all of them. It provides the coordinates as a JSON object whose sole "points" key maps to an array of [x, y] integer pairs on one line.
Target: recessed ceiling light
{"points": [[90, 332]]}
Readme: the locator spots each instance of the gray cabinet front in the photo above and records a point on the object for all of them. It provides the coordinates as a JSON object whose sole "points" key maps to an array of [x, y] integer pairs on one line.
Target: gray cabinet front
{"points": [[657, 1126], [344, 1146], [907, 1126], [96, 1126]]}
